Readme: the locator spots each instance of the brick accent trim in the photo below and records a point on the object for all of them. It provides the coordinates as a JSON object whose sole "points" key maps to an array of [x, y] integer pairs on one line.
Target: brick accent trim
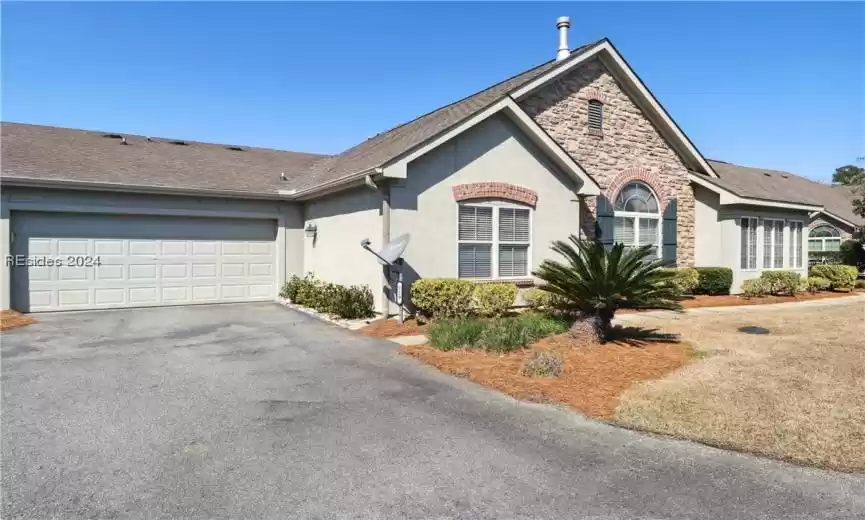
{"points": [[590, 94], [641, 174], [495, 190]]}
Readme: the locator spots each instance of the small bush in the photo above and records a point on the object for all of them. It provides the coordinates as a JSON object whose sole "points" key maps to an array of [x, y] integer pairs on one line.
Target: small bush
{"points": [[839, 276], [860, 284], [539, 299], [815, 284], [494, 299], [346, 302], [442, 297], [448, 334], [541, 325], [852, 253], [504, 335], [778, 283], [685, 279], [542, 363], [754, 288], [714, 280]]}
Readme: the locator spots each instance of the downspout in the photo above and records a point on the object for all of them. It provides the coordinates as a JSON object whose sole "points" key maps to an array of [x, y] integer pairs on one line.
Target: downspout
{"points": [[384, 191]]}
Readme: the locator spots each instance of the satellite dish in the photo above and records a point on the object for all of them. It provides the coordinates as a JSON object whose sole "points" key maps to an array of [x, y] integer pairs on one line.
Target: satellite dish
{"points": [[393, 250]]}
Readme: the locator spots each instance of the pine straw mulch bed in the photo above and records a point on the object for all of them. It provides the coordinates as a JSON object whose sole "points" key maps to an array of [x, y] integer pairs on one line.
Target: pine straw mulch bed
{"points": [[391, 328], [10, 319], [594, 376], [732, 300]]}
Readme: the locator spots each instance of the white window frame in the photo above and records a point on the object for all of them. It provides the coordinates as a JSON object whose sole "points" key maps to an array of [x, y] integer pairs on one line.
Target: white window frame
{"points": [[494, 249], [822, 241], [637, 216], [755, 222], [797, 248], [762, 242]]}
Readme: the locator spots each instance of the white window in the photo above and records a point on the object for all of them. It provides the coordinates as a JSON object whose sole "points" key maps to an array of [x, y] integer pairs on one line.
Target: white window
{"points": [[796, 244], [485, 254], [748, 252], [773, 243], [637, 218], [822, 239]]}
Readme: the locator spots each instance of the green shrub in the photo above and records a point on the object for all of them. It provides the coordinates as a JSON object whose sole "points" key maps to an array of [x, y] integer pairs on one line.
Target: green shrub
{"points": [[780, 283], [504, 335], [685, 279], [815, 283], [839, 276], [448, 334], [542, 363], [494, 299], [860, 284], [714, 280], [754, 288], [539, 299], [540, 325], [346, 302], [852, 253], [442, 297]]}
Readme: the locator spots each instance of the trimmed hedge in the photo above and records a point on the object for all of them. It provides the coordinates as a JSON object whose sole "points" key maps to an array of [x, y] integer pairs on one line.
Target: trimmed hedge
{"points": [[754, 287], [685, 279], [839, 276], [494, 299], [714, 280], [539, 299], [442, 297], [815, 284], [346, 302], [780, 283]]}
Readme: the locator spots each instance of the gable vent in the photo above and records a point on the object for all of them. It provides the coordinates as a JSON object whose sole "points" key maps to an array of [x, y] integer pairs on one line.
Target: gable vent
{"points": [[596, 115]]}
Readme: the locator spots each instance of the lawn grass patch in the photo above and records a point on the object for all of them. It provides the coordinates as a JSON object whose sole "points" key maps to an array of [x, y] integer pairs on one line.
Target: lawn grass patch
{"points": [[495, 334]]}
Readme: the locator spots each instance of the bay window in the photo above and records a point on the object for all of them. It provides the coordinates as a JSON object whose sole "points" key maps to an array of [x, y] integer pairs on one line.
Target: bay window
{"points": [[493, 241], [748, 251], [796, 244], [773, 243]]}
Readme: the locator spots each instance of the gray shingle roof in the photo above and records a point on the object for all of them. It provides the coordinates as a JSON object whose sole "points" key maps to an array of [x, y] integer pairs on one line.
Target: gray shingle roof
{"points": [[776, 185], [50, 153]]}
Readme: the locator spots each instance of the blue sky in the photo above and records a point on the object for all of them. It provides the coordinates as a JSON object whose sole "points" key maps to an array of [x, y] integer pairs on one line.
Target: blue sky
{"points": [[773, 85]]}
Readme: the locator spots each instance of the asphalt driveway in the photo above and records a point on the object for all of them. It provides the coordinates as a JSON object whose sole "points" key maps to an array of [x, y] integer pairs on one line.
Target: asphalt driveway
{"points": [[255, 411]]}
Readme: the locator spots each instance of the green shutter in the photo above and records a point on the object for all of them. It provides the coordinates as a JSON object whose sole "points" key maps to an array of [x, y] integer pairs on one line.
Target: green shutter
{"points": [[604, 222], [668, 236]]}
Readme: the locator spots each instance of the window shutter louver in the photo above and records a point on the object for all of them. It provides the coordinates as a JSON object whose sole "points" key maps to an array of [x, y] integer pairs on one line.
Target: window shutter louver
{"points": [[604, 222], [596, 115], [669, 234]]}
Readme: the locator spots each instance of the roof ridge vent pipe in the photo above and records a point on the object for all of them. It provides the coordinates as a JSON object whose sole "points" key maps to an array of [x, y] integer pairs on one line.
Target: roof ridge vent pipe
{"points": [[563, 23]]}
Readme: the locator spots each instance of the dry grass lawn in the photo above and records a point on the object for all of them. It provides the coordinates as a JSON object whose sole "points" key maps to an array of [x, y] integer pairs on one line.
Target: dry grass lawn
{"points": [[796, 394]]}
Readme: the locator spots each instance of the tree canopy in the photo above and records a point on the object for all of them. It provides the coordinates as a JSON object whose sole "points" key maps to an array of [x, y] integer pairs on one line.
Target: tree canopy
{"points": [[848, 175]]}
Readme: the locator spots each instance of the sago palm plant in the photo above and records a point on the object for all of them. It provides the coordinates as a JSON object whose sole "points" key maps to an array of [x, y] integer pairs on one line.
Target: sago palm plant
{"points": [[593, 283]]}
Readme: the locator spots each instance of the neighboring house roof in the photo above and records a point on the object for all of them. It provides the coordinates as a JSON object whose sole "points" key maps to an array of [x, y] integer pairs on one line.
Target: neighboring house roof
{"points": [[781, 186], [48, 153]]}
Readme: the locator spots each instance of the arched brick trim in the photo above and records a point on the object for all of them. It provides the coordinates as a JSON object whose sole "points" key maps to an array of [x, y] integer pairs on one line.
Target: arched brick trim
{"points": [[495, 190], [643, 175], [593, 93]]}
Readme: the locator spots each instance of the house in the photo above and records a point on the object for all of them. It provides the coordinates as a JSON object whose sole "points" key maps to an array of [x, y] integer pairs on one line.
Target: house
{"points": [[576, 145]]}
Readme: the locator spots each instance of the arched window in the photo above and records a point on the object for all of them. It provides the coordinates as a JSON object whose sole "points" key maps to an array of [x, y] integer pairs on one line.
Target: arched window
{"points": [[822, 238], [596, 116], [637, 217]]}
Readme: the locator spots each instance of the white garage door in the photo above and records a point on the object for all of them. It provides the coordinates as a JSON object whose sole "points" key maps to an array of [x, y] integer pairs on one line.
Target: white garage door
{"points": [[142, 261]]}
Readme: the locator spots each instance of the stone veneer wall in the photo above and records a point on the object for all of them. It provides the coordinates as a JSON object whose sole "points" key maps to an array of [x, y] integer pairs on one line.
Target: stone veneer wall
{"points": [[630, 147]]}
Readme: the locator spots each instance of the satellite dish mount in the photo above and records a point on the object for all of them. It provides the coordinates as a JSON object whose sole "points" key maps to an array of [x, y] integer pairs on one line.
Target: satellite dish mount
{"points": [[390, 256]]}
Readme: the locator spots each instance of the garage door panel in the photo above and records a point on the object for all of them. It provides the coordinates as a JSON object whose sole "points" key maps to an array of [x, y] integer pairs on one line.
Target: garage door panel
{"points": [[166, 266]]}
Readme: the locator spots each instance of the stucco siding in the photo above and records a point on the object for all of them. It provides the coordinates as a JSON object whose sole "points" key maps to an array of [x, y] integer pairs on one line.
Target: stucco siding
{"points": [[342, 221], [494, 151], [709, 244]]}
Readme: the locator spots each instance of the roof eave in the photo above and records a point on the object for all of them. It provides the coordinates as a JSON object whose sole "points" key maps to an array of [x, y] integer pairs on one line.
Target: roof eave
{"points": [[730, 198]]}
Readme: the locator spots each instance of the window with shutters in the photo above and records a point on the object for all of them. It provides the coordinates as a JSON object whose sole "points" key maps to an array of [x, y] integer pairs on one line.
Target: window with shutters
{"points": [[637, 218], [494, 241], [748, 251], [596, 116], [773, 243]]}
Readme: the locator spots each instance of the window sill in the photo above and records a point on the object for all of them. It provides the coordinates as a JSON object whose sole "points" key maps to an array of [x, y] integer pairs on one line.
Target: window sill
{"points": [[519, 282]]}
